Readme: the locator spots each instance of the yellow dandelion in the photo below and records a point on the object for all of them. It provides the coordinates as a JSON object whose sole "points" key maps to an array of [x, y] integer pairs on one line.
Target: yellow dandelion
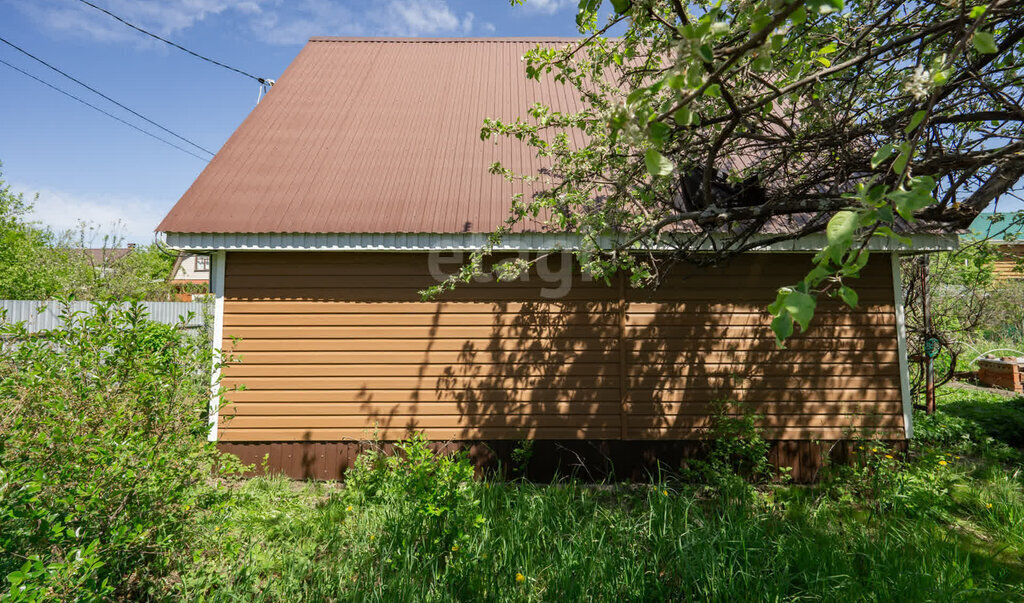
{"points": [[371, 536], [874, 450], [348, 508], [942, 462], [520, 577], [988, 506], [455, 548], [665, 492], [956, 457], [860, 447], [888, 456]]}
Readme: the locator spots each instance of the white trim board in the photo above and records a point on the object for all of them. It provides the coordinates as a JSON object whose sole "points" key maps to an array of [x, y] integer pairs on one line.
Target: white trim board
{"points": [[217, 263], [901, 344], [402, 242]]}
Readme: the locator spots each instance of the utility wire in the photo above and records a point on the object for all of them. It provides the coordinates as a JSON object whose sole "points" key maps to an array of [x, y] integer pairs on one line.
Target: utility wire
{"points": [[110, 115], [178, 46], [88, 87]]}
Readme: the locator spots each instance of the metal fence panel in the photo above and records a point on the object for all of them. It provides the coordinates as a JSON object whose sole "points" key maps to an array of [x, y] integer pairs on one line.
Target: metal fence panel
{"points": [[43, 315]]}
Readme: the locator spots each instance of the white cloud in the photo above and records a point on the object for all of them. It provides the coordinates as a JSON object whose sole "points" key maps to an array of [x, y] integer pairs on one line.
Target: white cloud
{"points": [[162, 17], [488, 27], [273, 21], [130, 217], [548, 7]]}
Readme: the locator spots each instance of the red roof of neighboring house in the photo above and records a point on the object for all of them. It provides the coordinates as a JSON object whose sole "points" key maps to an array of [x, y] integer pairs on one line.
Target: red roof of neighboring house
{"points": [[375, 136]]}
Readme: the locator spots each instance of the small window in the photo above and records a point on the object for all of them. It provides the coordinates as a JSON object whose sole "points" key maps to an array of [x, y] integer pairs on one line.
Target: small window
{"points": [[202, 263]]}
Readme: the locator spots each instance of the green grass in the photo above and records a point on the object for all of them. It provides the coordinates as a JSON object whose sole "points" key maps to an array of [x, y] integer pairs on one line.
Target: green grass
{"points": [[946, 525]]}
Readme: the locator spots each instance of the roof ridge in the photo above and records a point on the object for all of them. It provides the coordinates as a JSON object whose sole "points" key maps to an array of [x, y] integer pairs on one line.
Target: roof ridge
{"points": [[390, 40]]}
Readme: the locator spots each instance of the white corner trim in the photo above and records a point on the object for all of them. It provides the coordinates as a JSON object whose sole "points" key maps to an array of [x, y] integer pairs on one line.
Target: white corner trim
{"points": [[901, 344], [536, 241], [217, 261]]}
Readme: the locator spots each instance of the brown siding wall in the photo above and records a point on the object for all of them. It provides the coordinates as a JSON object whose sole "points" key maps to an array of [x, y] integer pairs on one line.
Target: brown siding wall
{"points": [[339, 347]]}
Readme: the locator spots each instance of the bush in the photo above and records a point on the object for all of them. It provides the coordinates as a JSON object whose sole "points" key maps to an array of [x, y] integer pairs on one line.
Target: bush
{"points": [[103, 458], [425, 495]]}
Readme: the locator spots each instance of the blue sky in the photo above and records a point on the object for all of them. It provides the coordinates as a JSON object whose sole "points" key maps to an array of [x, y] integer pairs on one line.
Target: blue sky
{"points": [[86, 166]]}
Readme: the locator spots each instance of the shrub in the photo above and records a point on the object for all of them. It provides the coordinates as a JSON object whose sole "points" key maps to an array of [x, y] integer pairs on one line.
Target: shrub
{"points": [[103, 458], [737, 452], [424, 495]]}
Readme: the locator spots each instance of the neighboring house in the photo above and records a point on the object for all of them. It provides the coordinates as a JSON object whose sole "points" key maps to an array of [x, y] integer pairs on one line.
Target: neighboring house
{"points": [[190, 275], [361, 177], [1004, 231], [104, 258]]}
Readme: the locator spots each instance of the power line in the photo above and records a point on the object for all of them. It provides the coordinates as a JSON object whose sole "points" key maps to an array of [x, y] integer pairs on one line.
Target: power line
{"points": [[90, 88], [178, 46], [110, 115]]}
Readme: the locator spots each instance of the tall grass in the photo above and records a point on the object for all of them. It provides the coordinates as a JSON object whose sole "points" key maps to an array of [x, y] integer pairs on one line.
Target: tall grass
{"points": [[946, 525]]}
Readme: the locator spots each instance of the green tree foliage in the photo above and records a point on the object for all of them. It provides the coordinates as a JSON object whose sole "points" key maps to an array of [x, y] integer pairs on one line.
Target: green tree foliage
{"points": [[25, 272], [714, 128], [36, 263], [104, 462]]}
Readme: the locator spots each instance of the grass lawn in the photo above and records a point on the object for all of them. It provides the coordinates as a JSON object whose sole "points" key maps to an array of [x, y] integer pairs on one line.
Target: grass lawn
{"points": [[947, 524]]}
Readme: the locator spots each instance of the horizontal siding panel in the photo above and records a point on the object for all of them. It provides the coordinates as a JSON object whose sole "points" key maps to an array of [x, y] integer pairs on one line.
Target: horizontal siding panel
{"points": [[803, 407], [327, 346], [777, 421], [398, 433], [567, 366], [539, 355], [757, 395], [412, 382], [551, 433], [408, 294], [374, 395], [434, 370], [377, 409], [535, 306], [361, 344], [417, 332], [775, 433], [424, 421], [347, 307], [500, 406], [370, 319]]}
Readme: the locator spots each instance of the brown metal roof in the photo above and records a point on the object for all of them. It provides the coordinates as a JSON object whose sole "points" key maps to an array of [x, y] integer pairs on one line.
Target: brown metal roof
{"points": [[376, 135]]}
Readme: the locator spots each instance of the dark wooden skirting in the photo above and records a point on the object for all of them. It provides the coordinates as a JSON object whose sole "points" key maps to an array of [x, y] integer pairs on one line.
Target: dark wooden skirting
{"points": [[591, 460]]}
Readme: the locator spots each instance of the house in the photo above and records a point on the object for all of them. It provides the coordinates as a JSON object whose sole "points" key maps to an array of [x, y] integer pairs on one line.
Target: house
{"points": [[361, 179], [190, 275], [1004, 232]]}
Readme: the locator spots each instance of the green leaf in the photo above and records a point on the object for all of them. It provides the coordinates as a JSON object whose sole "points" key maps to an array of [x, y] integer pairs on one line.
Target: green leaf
{"points": [[657, 164], [881, 155], [714, 90], [635, 95], [685, 117], [840, 231], [984, 42], [798, 16], [823, 61], [901, 160], [915, 121], [706, 53], [659, 131], [908, 202], [621, 6], [782, 325], [978, 11], [848, 295], [884, 214], [801, 307]]}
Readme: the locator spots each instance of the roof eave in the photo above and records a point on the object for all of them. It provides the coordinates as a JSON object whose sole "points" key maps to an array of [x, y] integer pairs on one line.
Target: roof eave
{"points": [[427, 242]]}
